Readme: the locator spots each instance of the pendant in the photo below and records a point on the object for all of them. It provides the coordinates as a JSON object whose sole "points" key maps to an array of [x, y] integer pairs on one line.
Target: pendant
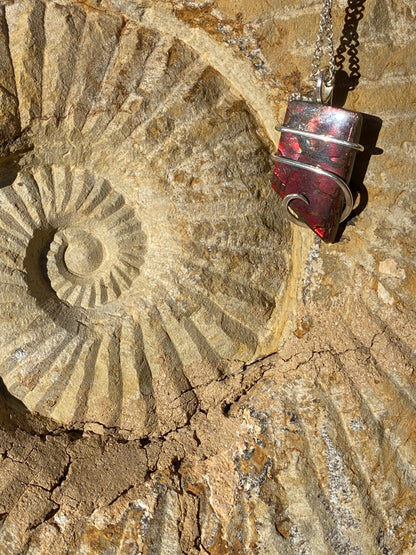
{"points": [[314, 163]]}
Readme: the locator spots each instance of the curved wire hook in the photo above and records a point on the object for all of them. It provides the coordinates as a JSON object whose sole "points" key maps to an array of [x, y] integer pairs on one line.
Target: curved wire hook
{"points": [[290, 215]]}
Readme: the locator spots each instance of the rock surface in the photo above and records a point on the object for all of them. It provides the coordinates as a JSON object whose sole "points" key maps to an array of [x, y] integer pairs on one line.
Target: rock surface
{"points": [[182, 371]]}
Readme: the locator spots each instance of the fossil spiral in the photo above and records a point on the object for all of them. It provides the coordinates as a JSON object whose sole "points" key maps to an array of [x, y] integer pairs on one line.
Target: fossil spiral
{"points": [[140, 252]]}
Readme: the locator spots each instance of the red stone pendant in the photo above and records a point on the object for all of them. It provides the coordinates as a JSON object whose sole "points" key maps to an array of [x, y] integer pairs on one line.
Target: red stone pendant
{"points": [[314, 164]]}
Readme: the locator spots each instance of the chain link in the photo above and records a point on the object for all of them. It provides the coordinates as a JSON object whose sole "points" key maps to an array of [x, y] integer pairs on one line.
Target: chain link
{"points": [[325, 35]]}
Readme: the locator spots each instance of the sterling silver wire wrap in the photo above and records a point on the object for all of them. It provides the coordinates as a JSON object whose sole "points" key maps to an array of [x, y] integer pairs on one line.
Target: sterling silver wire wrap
{"points": [[326, 138], [349, 202], [291, 216]]}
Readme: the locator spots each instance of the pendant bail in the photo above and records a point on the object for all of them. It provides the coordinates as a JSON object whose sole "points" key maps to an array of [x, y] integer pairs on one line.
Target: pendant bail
{"points": [[324, 87]]}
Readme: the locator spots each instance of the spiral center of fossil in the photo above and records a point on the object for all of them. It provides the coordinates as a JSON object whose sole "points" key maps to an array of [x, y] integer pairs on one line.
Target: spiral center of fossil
{"points": [[92, 261], [84, 253]]}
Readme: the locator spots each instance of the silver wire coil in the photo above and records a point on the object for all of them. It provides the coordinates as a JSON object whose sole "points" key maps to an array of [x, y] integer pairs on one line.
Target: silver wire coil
{"points": [[349, 201]]}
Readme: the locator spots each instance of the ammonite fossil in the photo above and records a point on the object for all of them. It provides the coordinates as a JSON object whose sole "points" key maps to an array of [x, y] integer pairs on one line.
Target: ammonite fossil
{"points": [[141, 255]]}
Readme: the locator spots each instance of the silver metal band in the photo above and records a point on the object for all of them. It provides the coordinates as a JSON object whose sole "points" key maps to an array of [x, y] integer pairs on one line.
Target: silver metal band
{"points": [[325, 138], [349, 202], [324, 89]]}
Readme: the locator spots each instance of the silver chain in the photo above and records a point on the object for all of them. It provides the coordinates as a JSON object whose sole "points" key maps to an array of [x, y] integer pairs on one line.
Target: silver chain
{"points": [[325, 35]]}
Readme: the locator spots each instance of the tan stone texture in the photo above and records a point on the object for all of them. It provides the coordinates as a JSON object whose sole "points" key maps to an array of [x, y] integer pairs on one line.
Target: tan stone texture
{"points": [[182, 371]]}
